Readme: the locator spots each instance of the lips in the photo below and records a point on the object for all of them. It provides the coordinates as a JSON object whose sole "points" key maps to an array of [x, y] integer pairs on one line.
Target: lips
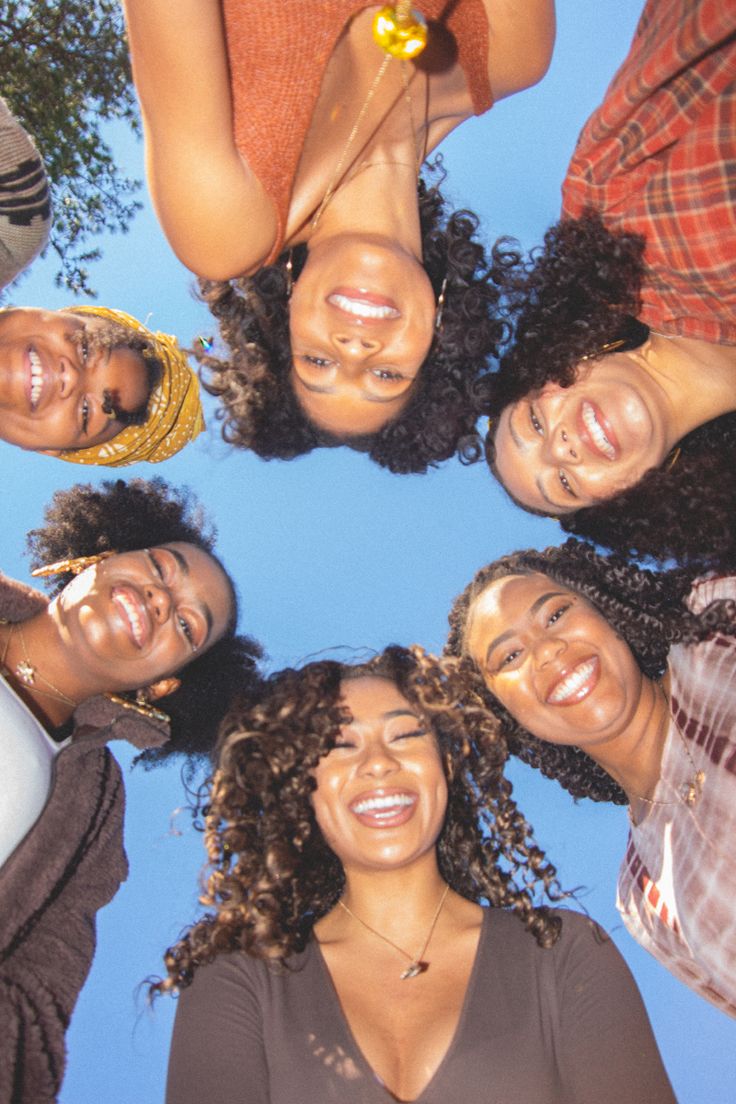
{"points": [[596, 431], [133, 614], [365, 306], [384, 808], [575, 683]]}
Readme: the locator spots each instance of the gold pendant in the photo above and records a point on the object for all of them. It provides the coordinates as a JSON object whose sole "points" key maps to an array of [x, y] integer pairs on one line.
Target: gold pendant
{"points": [[691, 790], [402, 39], [413, 970]]}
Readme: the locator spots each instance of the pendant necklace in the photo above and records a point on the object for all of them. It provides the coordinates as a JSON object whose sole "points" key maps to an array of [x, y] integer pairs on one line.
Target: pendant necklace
{"points": [[691, 789], [417, 964]]}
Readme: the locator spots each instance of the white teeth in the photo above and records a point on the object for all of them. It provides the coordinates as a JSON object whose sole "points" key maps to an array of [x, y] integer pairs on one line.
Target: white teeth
{"points": [[599, 438], [371, 804], [573, 683], [36, 377], [131, 612], [361, 309]]}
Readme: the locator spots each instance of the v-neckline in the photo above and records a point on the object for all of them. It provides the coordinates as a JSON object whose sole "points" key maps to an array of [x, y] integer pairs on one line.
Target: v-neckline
{"points": [[457, 1033]]}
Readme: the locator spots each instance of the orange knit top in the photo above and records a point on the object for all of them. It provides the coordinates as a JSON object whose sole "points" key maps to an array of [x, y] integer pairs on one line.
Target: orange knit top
{"points": [[278, 53]]}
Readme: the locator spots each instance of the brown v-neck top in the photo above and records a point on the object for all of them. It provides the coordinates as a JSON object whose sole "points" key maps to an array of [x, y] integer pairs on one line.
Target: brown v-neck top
{"points": [[558, 1026]]}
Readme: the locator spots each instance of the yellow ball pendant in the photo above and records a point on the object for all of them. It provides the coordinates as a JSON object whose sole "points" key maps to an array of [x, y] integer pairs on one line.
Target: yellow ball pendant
{"points": [[403, 40]]}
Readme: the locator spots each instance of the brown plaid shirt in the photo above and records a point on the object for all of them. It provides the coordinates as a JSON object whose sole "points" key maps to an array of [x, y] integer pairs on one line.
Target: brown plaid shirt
{"points": [[658, 157], [677, 883]]}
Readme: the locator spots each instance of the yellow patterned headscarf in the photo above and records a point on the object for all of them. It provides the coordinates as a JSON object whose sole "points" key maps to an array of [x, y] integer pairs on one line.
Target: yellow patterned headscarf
{"points": [[174, 409]]}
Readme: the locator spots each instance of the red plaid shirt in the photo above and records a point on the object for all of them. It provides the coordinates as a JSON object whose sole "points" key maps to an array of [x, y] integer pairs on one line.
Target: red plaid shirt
{"points": [[658, 157], [677, 883]]}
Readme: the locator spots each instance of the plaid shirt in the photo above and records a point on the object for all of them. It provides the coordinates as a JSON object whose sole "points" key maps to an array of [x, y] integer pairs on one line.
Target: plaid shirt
{"points": [[677, 884], [658, 157]]}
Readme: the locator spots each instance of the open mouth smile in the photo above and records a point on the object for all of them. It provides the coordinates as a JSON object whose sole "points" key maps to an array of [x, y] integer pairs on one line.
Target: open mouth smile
{"points": [[381, 809], [133, 614], [576, 684], [599, 439], [37, 378], [364, 305]]}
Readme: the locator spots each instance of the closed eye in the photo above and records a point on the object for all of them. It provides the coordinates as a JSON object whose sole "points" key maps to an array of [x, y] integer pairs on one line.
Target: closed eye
{"points": [[155, 564], [408, 735]]}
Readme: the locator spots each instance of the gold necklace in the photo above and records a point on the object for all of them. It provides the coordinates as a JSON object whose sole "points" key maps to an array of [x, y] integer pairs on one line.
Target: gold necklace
{"points": [[691, 789], [394, 42], [417, 965], [27, 673]]}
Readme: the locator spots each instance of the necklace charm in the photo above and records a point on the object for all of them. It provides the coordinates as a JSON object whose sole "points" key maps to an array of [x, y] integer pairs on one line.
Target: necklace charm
{"points": [[691, 790], [26, 672], [400, 31], [413, 970]]}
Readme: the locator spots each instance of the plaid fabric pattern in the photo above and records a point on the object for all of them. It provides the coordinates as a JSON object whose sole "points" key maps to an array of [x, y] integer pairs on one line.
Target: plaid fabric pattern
{"points": [[677, 884], [658, 157]]}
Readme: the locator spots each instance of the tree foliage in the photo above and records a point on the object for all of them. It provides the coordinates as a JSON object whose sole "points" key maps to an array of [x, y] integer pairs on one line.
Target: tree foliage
{"points": [[65, 72]]}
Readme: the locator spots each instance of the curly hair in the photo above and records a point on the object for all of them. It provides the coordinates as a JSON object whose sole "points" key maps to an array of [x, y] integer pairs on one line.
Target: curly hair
{"points": [[121, 516], [273, 875], [260, 411], [645, 608], [578, 294]]}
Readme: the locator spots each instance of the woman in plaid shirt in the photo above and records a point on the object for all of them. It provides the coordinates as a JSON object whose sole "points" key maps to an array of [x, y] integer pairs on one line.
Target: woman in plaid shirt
{"points": [[621, 684], [614, 410]]}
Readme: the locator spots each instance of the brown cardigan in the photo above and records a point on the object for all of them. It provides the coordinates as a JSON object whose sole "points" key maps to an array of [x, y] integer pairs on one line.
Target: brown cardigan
{"points": [[69, 865]]}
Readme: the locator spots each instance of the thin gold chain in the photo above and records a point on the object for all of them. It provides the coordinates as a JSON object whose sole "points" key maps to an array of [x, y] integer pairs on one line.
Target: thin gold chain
{"points": [[415, 960]]}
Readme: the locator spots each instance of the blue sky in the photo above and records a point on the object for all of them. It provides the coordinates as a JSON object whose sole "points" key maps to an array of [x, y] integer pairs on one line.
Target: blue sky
{"points": [[330, 551]]}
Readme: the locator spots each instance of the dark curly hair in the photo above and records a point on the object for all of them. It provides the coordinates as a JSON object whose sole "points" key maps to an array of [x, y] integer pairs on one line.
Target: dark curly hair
{"points": [[273, 875], [645, 608], [124, 517], [260, 411], [581, 291]]}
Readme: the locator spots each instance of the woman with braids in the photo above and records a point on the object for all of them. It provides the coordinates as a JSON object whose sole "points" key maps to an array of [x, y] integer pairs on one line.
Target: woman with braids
{"points": [[358, 817], [621, 684], [127, 626], [283, 149], [615, 408]]}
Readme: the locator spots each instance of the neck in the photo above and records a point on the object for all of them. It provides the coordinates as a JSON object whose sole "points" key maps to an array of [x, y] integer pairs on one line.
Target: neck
{"points": [[379, 199], [37, 642], [697, 380], [400, 904], [633, 757]]}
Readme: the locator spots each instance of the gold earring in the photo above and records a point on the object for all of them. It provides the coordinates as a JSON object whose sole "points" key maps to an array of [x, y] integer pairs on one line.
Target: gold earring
{"points": [[674, 457], [440, 307], [289, 273], [141, 705], [607, 348], [76, 565]]}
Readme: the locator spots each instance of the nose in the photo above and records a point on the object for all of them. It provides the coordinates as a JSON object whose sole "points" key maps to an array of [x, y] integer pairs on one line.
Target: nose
{"points": [[70, 377], [548, 648], [378, 761], [564, 446], [158, 600], [355, 346]]}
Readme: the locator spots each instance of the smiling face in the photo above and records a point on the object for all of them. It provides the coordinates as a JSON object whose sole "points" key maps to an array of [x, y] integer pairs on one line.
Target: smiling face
{"points": [[137, 617], [55, 383], [562, 449], [553, 661], [381, 792], [361, 321]]}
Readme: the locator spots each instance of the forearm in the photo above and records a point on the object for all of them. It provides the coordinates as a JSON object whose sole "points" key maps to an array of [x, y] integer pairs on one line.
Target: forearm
{"points": [[520, 44]]}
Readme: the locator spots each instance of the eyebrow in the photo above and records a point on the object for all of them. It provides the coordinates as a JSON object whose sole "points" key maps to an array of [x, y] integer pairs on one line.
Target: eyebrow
{"points": [[184, 565], [537, 604], [333, 391]]}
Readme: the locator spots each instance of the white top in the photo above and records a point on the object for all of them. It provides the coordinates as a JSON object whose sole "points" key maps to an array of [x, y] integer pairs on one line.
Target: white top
{"points": [[27, 755], [677, 883]]}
